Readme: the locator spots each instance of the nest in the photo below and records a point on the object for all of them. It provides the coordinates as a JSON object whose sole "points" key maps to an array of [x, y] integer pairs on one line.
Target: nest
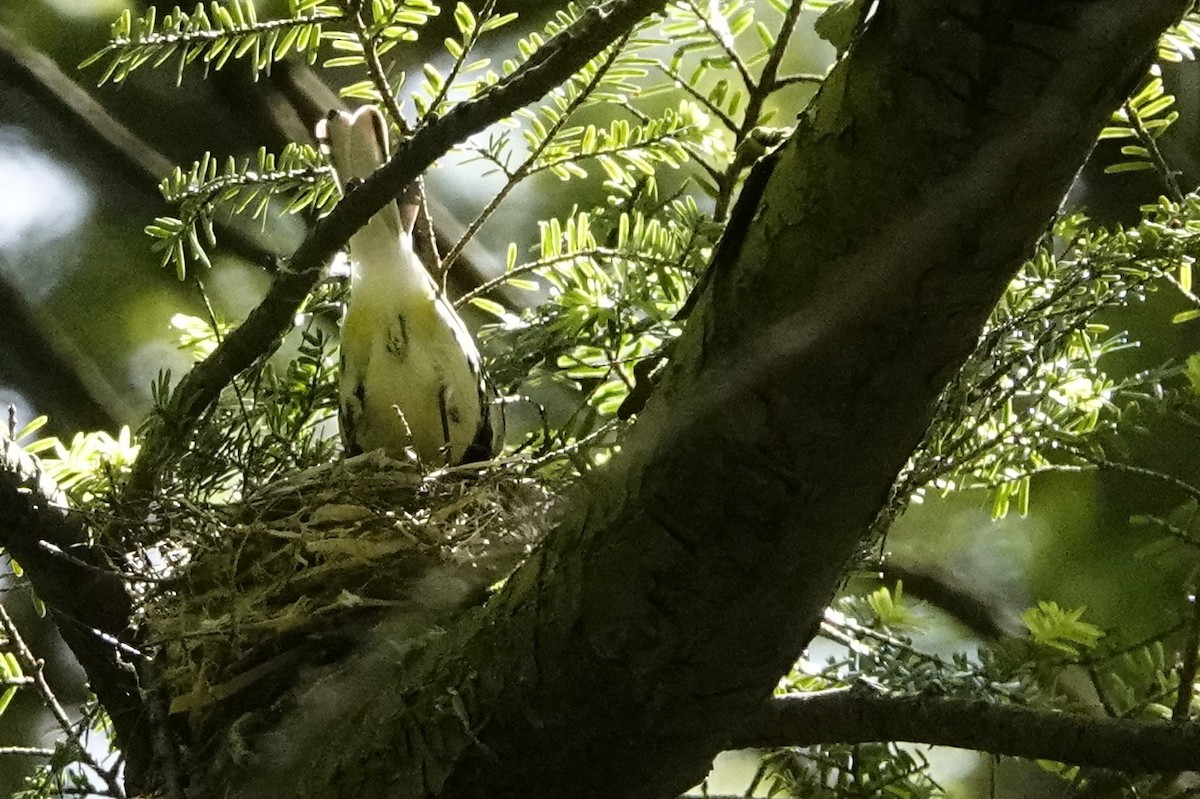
{"points": [[285, 577]]}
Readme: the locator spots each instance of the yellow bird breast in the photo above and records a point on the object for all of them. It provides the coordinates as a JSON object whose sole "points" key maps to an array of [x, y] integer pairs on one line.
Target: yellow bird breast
{"points": [[407, 379], [411, 374]]}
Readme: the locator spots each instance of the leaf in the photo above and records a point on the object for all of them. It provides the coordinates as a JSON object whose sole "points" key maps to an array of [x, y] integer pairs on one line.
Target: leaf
{"points": [[1186, 316], [465, 20], [889, 606], [1061, 630], [1192, 372], [490, 306], [1117, 132], [32, 427], [492, 23], [7, 697], [1128, 166]]}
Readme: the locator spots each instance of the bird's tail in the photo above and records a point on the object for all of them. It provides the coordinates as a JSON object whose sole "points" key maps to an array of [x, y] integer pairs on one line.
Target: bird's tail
{"points": [[356, 144]]}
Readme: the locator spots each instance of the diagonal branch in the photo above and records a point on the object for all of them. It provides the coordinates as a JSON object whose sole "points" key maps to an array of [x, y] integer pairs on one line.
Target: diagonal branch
{"points": [[691, 568], [557, 60], [36, 667]]}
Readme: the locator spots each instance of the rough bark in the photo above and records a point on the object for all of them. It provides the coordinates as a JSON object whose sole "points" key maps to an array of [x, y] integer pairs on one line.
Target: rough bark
{"points": [[626, 650]]}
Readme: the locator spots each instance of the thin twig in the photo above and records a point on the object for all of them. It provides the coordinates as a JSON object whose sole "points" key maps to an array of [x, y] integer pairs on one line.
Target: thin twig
{"points": [[1181, 534], [375, 67], [1169, 179], [697, 156], [1141, 643], [8, 682], [847, 632], [799, 77], [755, 781], [526, 167], [1187, 488], [484, 14], [701, 98], [724, 38], [575, 446], [1188, 295], [32, 751], [36, 667], [759, 92], [522, 269], [441, 271], [1148, 141], [1181, 710]]}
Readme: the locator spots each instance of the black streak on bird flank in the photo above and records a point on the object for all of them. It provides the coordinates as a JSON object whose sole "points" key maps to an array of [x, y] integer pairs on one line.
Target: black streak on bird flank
{"points": [[397, 343], [348, 421], [445, 413]]}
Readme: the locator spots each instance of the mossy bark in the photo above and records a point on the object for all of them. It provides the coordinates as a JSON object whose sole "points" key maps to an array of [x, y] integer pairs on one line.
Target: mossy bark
{"points": [[625, 652]]}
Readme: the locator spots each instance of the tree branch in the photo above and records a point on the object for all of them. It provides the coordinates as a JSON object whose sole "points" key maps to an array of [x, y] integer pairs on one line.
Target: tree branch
{"points": [[859, 716], [35, 666], [557, 60], [957, 597], [1182, 708], [86, 597], [689, 571]]}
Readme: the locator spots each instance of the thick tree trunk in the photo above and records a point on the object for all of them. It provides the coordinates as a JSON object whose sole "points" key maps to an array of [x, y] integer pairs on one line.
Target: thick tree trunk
{"points": [[624, 653]]}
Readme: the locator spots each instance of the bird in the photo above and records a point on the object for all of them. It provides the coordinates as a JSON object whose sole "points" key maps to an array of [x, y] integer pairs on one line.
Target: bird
{"points": [[410, 372]]}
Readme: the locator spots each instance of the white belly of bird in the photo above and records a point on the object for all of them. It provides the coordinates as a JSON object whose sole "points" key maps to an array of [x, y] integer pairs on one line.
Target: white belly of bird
{"points": [[417, 388], [410, 367]]}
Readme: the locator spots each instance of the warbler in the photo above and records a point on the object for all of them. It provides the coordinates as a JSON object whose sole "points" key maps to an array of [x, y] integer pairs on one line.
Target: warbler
{"points": [[411, 374]]}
